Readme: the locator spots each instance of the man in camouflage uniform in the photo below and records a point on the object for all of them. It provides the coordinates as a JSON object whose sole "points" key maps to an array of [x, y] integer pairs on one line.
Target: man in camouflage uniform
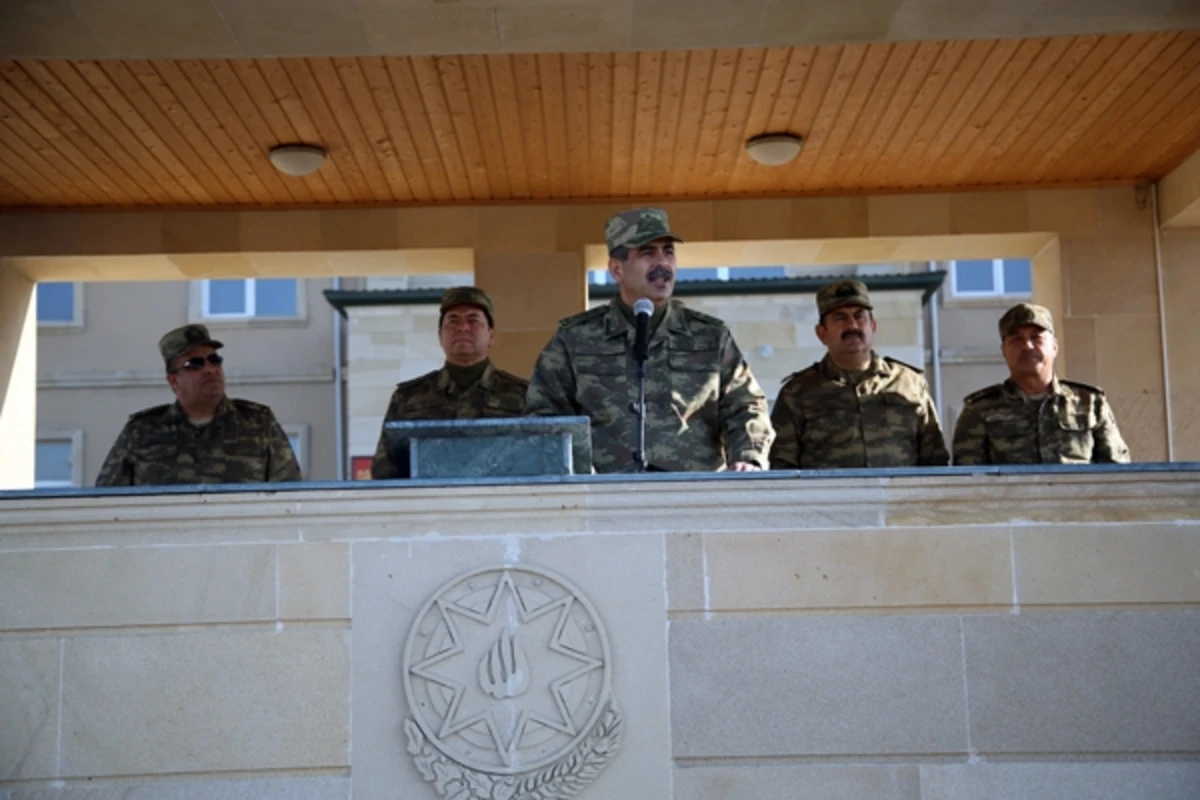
{"points": [[704, 410], [1035, 417], [468, 386], [854, 408], [204, 436]]}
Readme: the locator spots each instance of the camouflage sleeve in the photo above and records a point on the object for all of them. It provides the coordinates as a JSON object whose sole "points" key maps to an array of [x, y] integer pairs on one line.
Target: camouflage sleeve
{"points": [[552, 388], [117, 469], [743, 409], [281, 461], [970, 438], [789, 430], [1108, 446], [383, 466], [932, 452]]}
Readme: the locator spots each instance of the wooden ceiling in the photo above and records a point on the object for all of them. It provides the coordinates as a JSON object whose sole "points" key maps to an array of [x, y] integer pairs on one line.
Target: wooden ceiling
{"points": [[905, 116]]}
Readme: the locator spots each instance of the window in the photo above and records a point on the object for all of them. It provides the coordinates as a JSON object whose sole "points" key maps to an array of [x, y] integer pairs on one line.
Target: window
{"points": [[250, 298], [58, 459], [59, 304], [992, 277], [298, 439]]}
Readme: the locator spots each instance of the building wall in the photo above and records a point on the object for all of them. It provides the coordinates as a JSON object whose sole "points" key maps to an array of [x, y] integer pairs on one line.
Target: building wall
{"points": [[91, 377], [920, 638]]}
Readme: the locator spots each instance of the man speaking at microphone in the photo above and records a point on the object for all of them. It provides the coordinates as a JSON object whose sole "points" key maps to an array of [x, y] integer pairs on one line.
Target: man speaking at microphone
{"points": [[704, 409]]}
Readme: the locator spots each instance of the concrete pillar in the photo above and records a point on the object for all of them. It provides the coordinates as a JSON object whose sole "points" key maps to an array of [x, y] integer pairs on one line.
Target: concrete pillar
{"points": [[18, 379], [531, 294]]}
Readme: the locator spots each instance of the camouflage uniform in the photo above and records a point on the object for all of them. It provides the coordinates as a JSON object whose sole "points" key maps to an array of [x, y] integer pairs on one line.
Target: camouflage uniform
{"points": [[704, 408], [436, 396], [829, 418], [242, 444], [1072, 424]]}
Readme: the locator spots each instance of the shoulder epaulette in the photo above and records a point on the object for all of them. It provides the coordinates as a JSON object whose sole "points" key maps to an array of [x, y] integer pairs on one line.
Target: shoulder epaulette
{"points": [[508, 376], [900, 363], [150, 412], [987, 391], [700, 316], [800, 373], [583, 316], [1082, 385], [249, 405]]}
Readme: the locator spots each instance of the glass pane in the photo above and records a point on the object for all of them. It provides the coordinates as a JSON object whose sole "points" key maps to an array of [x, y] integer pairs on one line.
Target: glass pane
{"points": [[597, 277], [56, 302], [1018, 276], [294, 441], [227, 297], [275, 297], [974, 277], [53, 462], [697, 275], [742, 273]]}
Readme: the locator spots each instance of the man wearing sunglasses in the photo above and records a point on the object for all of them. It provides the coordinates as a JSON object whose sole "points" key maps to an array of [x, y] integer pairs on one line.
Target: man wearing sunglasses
{"points": [[204, 436]]}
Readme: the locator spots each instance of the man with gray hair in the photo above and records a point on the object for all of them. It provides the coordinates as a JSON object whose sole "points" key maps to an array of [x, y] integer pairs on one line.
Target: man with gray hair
{"points": [[1035, 417], [704, 410], [204, 436]]}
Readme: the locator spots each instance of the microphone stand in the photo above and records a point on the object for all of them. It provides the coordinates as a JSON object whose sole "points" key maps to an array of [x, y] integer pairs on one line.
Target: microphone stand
{"points": [[639, 455]]}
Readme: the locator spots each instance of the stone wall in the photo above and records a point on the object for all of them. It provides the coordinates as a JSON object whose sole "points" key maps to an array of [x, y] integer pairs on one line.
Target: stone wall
{"points": [[921, 638]]}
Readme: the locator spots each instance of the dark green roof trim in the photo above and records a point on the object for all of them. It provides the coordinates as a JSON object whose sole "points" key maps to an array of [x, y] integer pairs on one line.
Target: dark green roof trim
{"points": [[925, 282]]}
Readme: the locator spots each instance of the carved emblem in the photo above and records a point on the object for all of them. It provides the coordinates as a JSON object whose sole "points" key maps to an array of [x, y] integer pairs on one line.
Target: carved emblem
{"points": [[507, 676]]}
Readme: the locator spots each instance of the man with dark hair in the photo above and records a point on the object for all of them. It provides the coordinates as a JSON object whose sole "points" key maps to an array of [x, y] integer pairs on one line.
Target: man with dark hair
{"points": [[704, 409], [468, 386], [1035, 417], [204, 436], [854, 408]]}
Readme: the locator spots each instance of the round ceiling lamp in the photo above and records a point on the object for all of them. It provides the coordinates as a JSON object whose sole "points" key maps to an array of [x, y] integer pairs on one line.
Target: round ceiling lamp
{"points": [[297, 159], [774, 149]]}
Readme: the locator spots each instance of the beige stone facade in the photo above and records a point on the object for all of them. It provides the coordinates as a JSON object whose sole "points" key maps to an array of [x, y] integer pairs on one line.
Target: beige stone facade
{"points": [[962, 637]]}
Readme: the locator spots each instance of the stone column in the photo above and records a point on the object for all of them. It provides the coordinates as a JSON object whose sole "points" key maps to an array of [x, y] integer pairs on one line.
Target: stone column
{"points": [[18, 379], [531, 292]]}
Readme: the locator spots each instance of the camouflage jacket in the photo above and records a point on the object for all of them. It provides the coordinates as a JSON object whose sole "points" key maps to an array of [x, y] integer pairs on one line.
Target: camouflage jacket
{"points": [[826, 419], [242, 444], [704, 410], [1072, 424], [434, 395]]}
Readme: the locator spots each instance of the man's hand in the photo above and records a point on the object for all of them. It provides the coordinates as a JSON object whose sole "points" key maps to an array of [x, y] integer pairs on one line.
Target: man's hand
{"points": [[745, 466]]}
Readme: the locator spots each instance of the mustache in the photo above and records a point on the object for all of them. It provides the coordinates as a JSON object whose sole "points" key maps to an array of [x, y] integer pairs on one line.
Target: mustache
{"points": [[848, 334], [654, 273]]}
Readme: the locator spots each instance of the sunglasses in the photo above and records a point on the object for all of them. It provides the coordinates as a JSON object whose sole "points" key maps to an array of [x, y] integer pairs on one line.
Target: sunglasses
{"points": [[197, 362]]}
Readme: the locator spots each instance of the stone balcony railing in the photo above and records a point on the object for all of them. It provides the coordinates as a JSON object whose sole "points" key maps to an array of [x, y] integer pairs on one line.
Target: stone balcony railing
{"points": [[921, 635]]}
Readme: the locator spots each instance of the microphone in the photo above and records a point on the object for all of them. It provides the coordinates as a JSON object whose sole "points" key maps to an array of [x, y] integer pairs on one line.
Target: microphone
{"points": [[642, 309]]}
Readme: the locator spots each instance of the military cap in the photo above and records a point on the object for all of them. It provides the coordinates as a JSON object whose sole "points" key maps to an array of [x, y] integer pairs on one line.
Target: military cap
{"points": [[1025, 314], [468, 296], [635, 228], [177, 342], [835, 295]]}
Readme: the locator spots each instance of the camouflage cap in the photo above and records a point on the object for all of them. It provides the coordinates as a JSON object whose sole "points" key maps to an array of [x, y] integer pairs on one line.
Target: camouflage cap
{"points": [[1025, 314], [175, 343], [468, 296], [835, 295], [635, 228]]}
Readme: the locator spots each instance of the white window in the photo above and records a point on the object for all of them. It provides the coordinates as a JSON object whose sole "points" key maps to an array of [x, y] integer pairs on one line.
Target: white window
{"points": [[992, 277], [58, 459], [60, 305], [250, 298], [298, 439]]}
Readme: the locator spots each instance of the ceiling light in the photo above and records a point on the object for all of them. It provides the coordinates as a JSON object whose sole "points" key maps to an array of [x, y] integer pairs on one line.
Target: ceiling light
{"points": [[774, 149], [297, 159]]}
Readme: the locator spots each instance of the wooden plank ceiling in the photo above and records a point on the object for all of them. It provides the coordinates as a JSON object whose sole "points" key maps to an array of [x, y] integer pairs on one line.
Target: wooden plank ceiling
{"points": [[455, 129]]}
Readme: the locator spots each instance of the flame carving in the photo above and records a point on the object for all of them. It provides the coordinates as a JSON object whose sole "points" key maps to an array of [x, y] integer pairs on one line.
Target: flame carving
{"points": [[504, 669]]}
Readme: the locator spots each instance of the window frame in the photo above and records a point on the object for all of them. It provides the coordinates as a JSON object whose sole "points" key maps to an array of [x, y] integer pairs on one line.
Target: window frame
{"points": [[75, 437], [997, 281], [198, 305], [300, 431], [76, 321]]}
